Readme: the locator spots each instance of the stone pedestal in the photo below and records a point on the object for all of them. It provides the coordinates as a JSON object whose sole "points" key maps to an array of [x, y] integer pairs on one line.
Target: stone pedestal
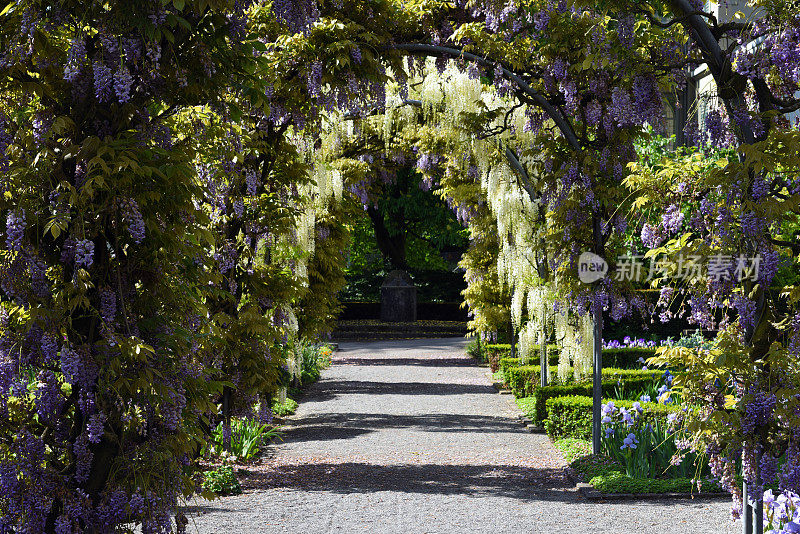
{"points": [[398, 298]]}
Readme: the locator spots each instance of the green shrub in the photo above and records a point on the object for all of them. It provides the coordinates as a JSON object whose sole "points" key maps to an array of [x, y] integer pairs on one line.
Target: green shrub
{"points": [[524, 380], [247, 438], [616, 482], [506, 363], [221, 481], [476, 349], [626, 374], [309, 376], [571, 417], [282, 409], [621, 358], [615, 381], [627, 358], [607, 476]]}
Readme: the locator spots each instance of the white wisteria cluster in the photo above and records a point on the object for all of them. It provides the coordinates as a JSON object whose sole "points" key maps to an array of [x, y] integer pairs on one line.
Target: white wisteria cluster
{"points": [[450, 100], [438, 118], [574, 336]]}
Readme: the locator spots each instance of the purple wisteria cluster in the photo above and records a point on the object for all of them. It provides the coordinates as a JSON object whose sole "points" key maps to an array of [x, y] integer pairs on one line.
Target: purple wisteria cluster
{"points": [[629, 342], [133, 219], [298, 15], [99, 379]]}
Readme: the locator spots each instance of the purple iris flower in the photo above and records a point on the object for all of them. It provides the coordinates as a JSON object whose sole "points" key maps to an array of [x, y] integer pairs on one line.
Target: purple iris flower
{"points": [[629, 442]]}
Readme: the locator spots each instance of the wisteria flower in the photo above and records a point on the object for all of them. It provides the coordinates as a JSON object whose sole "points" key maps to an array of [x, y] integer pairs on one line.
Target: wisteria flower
{"points": [[84, 253]]}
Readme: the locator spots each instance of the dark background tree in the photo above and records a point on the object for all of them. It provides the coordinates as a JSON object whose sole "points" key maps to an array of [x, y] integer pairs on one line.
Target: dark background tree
{"points": [[410, 228]]}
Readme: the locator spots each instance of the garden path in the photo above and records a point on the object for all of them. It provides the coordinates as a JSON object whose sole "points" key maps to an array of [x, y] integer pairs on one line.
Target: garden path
{"points": [[410, 437]]}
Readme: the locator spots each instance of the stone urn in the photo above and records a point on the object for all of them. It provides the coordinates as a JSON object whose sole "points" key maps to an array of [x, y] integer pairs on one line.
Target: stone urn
{"points": [[398, 298]]}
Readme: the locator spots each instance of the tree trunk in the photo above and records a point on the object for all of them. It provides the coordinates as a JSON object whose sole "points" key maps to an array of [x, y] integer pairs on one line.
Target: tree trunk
{"points": [[597, 368], [392, 247]]}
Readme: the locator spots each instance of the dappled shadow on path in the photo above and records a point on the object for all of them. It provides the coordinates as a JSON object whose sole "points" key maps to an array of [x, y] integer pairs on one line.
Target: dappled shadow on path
{"points": [[332, 426], [328, 389], [523, 483], [416, 362]]}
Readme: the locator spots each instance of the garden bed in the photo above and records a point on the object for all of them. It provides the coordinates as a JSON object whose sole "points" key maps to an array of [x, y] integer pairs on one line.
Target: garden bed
{"points": [[599, 477], [250, 436]]}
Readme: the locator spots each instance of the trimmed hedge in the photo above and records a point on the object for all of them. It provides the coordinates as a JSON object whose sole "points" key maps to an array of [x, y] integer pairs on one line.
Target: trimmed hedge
{"points": [[503, 351], [571, 417], [524, 380], [626, 358], [629, 374], [623, 380], [616, 482], [508, 363]]}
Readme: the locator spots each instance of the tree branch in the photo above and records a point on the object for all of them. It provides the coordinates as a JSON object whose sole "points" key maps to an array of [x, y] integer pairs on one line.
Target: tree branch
{"points": [[794, 247], [524, 87], [718, 64]]}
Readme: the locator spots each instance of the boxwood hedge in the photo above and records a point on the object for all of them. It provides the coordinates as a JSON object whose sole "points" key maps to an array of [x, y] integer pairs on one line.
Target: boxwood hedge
{"points": [[571, 417], [524, 380], [625, 381]]}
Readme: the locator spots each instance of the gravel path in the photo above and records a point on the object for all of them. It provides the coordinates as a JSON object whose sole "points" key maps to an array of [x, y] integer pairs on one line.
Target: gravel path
{"points": [[410, 437]]}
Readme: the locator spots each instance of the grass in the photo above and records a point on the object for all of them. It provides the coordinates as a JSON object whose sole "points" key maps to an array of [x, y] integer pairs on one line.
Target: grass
{"points": [[572, 448], [528, 406], [594, 465]]}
